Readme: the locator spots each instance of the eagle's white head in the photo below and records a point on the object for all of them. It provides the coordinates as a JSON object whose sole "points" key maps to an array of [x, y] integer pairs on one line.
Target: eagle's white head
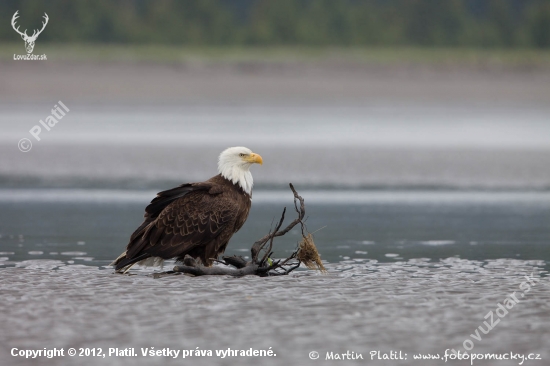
{"points": [[234, 165]]}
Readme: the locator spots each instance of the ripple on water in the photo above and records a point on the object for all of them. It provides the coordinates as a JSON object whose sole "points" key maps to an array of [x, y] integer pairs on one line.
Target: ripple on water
{"points": [[46, 264], [438, 242], [74, 253], [85, 259], [418, 305]]}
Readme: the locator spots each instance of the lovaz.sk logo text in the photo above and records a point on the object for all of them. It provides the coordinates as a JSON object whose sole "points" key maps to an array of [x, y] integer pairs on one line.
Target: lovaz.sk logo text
{"points": [[29, 40]]}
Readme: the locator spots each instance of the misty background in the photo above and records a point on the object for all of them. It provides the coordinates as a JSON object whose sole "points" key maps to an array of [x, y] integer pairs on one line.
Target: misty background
{"points": [[347, 94], [403, 123]]}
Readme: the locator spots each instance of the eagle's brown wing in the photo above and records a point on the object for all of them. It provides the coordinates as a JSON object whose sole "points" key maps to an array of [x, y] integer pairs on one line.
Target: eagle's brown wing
{"points": [[195, 219], [162, 200], [198, 219]]}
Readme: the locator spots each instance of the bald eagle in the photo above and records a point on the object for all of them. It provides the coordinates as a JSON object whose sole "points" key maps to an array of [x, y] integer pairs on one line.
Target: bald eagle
{"points": [[197, 219]]}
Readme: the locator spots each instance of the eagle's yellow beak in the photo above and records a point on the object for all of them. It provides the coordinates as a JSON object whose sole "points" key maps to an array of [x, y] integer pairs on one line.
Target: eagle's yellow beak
{"points": [[254, 158]]}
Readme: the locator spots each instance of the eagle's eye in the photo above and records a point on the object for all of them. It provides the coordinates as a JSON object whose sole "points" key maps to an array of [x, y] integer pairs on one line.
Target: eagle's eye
{"points": [[241, 155]]}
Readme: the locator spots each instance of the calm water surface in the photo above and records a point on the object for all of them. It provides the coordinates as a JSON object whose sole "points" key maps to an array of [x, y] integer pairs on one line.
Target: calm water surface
{"points": [[92, 226]]}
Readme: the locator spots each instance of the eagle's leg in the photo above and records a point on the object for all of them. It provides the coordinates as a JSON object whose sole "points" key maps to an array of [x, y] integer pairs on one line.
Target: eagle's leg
{"points": [[190, 261]]}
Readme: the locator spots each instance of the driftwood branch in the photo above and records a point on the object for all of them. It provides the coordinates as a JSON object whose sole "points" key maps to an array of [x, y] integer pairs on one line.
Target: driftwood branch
{"points": [[258, 245], [261, 264]]}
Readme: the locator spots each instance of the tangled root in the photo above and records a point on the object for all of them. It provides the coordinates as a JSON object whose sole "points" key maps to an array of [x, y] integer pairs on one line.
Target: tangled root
{"points": [[308, 254]]}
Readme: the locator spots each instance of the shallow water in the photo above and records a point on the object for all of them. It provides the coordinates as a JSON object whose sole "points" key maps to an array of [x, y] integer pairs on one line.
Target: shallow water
{"points": [[408, 271], [411, 306], [92, 226]]}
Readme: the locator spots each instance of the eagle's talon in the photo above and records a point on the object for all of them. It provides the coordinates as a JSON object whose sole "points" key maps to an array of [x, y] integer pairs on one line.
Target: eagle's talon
{"points": [[189, 261]]}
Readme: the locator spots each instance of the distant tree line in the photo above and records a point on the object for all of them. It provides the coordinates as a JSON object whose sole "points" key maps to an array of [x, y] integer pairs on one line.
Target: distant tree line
{"points": [[438, 23]]}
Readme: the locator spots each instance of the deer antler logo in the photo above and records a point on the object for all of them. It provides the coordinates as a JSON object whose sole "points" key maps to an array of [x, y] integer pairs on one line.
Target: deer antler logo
{"points": [[29, 41]]}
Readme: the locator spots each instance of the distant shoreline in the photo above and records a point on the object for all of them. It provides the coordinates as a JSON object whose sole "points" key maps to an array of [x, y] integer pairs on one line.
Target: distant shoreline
{"points": [[399, 55], [112, 74]]}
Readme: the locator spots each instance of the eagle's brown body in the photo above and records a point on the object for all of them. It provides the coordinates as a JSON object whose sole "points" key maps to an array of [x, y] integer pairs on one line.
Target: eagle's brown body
{"points": [[195, 218]]}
